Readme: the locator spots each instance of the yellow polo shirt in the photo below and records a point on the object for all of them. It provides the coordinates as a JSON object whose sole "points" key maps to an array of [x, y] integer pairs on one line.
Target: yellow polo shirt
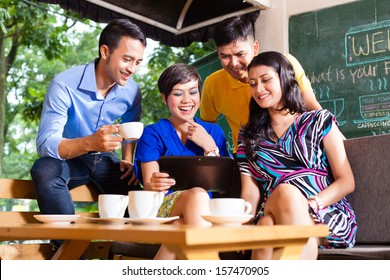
{"points": [[222, 94]]}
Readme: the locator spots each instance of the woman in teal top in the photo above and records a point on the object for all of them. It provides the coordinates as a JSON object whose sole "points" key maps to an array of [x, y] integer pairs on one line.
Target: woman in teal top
{"points": [[179, 135]]}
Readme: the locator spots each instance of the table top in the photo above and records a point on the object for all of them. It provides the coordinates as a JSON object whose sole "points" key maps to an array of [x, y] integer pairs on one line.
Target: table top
{"points": [[168, 234], [187, 242]]}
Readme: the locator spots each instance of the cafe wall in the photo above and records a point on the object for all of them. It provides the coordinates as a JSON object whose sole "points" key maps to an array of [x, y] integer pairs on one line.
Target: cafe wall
{"points": [[272, 24]]}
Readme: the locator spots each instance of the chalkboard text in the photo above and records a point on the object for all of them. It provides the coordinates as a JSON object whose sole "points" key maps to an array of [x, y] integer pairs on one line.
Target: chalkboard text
{"points": [[367, 43]]}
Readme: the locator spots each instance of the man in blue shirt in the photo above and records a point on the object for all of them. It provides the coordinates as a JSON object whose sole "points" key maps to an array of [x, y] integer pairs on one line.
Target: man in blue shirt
{"points": [[77, 137]]}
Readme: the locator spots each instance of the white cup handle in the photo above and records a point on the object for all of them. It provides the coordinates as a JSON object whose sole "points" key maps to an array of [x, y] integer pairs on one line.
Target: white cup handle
{"points": [[248, 208]]}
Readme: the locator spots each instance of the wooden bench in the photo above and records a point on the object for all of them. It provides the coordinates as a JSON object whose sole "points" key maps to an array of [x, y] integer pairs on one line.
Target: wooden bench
{"points": [[25, 189], [370, 161]]}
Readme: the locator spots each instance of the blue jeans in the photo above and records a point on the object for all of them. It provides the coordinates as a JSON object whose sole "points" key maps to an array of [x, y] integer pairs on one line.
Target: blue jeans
{"points": [[53, 178]]}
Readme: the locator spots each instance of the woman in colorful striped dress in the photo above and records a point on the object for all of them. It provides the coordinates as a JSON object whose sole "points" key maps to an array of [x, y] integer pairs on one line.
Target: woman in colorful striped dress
{"points": [[297, 156]]}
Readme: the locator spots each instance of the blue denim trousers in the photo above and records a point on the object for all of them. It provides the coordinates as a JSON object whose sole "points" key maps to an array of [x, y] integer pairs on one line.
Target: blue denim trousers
{"points": [[53, 178]]}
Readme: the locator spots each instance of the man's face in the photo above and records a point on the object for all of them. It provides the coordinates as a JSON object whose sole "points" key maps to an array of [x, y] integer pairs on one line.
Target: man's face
{"points": [[125, 60], [236, 56]]}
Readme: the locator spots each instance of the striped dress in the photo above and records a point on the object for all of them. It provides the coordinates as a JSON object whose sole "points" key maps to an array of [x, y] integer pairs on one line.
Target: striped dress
{"points": [[299, 159]]}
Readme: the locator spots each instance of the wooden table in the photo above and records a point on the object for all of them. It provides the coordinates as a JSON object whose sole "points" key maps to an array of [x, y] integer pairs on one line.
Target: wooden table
{"points": [[187, 242]]}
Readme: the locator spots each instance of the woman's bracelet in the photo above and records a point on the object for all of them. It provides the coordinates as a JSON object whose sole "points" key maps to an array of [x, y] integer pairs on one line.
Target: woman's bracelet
{"points": [[318, 201]]}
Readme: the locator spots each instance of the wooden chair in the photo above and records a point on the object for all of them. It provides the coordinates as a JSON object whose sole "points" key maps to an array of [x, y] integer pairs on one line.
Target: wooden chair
{"points": [[25, 189]]}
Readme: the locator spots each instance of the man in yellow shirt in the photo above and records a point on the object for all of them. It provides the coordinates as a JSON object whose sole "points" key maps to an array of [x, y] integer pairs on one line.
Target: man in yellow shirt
{"points": [[226, 91]]}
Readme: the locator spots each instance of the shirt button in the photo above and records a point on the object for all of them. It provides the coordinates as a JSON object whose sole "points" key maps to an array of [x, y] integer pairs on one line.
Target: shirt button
{"points": [[102, 118]]}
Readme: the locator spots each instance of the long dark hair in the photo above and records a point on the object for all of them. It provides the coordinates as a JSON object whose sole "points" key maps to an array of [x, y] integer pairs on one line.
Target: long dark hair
{"points": [[259, 126]]}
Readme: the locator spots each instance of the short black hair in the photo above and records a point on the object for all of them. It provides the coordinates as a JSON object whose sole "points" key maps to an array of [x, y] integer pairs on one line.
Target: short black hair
{"points": [[118, 28], [179, 73], [235, 28]]}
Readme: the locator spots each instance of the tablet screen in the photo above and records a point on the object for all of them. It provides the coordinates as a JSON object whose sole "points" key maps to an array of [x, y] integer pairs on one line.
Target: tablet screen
{"points": [[214, 174]]}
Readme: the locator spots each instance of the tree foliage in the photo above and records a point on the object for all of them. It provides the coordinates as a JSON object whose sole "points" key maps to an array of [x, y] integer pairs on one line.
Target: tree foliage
{"points": [[38, 42]]}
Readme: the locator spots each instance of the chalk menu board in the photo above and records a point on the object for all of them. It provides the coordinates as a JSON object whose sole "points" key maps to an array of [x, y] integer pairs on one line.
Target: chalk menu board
{"points": [[345, 51]]}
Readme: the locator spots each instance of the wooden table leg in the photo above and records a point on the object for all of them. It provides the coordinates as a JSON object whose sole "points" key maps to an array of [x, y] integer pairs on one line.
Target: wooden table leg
{"points": [[193, 254], [198, 255], [71, 250], [290, 252]]}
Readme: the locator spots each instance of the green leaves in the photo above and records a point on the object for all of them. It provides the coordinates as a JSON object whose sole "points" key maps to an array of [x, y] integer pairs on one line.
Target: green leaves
{"points": [[40, 41], [4, 17]]}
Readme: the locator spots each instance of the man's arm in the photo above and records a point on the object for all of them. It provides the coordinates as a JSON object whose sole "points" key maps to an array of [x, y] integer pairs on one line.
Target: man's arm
{"points": [[308, 95], [128, 149], [127, 162], [55, 115], [310, 100], [105, 139]]}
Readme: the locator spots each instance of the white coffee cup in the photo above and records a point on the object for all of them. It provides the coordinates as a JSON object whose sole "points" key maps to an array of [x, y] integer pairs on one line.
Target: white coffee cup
{"points": [[131, 130], [229, 207], [144, 204], [112, 205]]}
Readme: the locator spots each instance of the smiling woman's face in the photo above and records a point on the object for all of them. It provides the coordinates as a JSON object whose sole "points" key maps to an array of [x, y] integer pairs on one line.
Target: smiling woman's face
{"points": [[183, 101], [265, 87]]}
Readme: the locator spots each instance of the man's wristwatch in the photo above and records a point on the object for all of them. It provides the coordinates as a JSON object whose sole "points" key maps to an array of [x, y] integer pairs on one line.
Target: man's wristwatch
{"points": [[212, 153]]}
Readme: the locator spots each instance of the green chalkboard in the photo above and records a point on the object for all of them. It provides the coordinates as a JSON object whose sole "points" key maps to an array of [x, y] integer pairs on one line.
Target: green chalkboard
{"points": [[345, 51]]}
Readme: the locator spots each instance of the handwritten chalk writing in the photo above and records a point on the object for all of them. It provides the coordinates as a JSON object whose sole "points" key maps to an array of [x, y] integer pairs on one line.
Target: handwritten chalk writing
{"points": [[374, 124], [367, 43], [371, 107], [387, 67], [371, 115], [368, 100], [324, 76], [375, 106], [331, 74], [365, 71], [338, 74], [374, 43], [384, 98]]}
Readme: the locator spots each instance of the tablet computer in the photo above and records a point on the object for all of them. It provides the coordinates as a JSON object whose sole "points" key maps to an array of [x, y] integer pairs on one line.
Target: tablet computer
{"points": [[214, 174]]}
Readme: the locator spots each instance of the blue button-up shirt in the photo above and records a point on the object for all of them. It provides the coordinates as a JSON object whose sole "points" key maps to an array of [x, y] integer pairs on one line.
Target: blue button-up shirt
{"points": [[73, 108]]}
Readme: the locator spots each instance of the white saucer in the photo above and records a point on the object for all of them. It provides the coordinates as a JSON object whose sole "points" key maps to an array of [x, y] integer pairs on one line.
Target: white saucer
{"points": [[151, 221], [227, 220], [56, 219], [107, 220]]}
